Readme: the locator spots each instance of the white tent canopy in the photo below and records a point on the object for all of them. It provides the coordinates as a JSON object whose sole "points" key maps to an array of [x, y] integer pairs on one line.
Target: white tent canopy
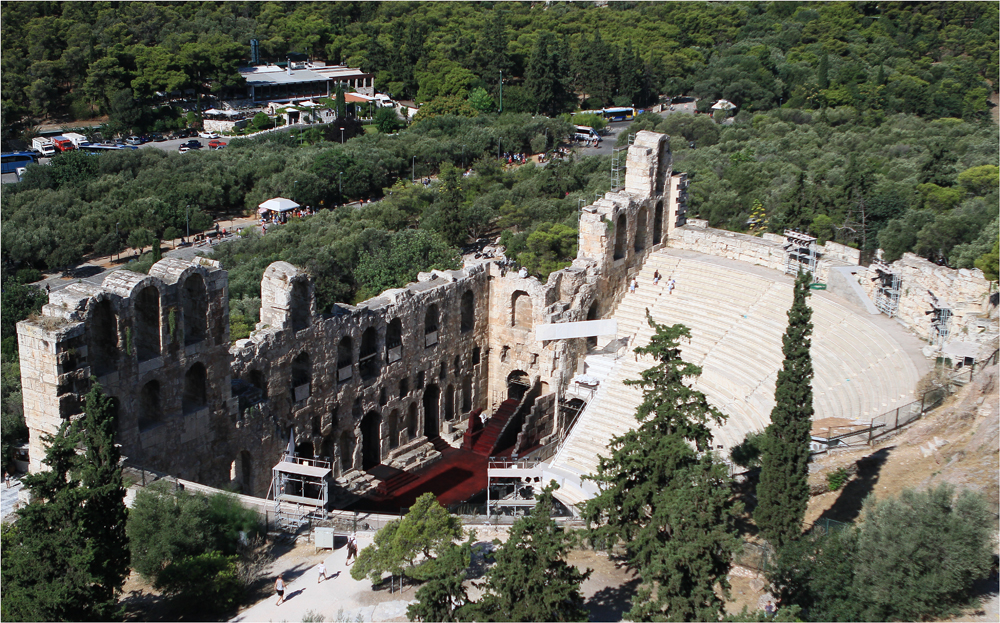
{"points": [[723, 105], [278, 204]]}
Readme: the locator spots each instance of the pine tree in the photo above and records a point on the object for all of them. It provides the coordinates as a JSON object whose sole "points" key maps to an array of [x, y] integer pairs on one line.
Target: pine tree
{"points": [[68, 558], [531, 580], [823, 74], [443, 595], [664, 494], [783, 491], [340, 103]]}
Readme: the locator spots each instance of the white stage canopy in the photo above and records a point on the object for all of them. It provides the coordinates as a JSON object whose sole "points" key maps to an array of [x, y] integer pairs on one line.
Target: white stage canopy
{"points": [[278, 204], [566, 330]]}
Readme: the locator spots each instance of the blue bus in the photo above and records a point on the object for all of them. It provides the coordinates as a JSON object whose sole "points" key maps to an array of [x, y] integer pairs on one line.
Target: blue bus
{"points": [[103, 148], [12, 161], [618, 114]]}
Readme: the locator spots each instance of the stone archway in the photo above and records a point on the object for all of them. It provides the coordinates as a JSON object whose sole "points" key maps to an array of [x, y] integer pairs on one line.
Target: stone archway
{"points": [[621, 236], [517, 384], [641, 230]]}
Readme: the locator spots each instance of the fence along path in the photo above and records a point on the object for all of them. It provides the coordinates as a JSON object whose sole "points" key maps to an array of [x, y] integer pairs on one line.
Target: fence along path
{"points": [[737, 320]]}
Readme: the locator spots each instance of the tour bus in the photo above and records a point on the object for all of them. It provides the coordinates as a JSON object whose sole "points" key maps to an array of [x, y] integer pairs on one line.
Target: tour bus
{"points": [[618, 114], [102, 148], [586, 133], [13, 161]]}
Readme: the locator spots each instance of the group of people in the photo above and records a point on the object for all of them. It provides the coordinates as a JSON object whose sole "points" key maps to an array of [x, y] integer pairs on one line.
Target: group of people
{"points": [[352, 554], [671, 283], [515, 158]]}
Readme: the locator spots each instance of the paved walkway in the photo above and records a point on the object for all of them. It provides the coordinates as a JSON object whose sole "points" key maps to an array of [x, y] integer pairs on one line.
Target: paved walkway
{"points": [[8, 497], [340, 598]]}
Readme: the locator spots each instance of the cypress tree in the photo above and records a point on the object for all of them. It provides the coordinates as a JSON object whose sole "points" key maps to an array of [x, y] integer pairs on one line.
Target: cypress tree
{"points": [[67, 558], [531, 580], [783, 491], [823, 77], [665, 495]]}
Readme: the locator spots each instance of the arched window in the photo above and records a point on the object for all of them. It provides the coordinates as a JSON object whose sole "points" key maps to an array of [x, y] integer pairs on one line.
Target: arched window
{"points": [[241, 473], [195, 393], [521, 311], [300, 305], [411, 421], [468, 312], [621, 236], [103, 348], [662, 166], [431, 326], [195, 309], [432, 398], [394, 341], [517, 384], [301, 377], [641, 229], [147, 323], [368, 357], [658, 223], [150, 408]]}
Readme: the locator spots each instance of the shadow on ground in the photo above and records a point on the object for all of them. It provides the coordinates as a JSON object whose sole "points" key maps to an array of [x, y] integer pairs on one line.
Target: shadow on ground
{"points": [[611, 603], [848, 505]]}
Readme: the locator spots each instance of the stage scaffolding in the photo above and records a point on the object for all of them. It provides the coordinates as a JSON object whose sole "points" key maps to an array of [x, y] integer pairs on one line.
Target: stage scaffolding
{"points": [[888, 288], [511, 486], [618, 157], [800, 253], [301, 489]]}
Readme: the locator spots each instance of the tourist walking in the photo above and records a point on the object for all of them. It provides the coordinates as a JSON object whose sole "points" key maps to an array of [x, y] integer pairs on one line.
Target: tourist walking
{"points": [[322, 572], [352, 548], [670, 285], [279, 588], [632, 285], [656, 277]]}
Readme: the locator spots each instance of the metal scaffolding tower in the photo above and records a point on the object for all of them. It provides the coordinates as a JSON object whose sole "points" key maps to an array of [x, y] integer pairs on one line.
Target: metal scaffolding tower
{"points": [[888, 288], [800, 253], [619, 155]]}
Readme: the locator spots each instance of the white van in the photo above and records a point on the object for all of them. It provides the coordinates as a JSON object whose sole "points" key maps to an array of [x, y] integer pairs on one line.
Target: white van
{"points": [[586, 133]]}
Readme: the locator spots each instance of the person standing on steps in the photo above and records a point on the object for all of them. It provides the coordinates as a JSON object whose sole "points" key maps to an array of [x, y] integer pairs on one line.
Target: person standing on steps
{"points": [[279, 588], [632, 285], [671, 284], [656, 277]]}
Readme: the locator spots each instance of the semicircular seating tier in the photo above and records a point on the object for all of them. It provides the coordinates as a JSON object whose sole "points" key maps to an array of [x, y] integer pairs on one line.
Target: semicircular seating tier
{"points": [[737, 318]]}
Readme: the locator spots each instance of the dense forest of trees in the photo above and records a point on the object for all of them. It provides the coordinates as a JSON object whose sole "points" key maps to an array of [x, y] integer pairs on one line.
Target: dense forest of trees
{"points": [[67, 60]]}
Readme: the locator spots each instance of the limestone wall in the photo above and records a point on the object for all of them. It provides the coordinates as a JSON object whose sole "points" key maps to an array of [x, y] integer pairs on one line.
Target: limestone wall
{"points": [[965, 292]]}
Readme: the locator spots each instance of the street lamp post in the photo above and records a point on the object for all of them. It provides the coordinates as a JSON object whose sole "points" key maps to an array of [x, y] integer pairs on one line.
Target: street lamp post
{"points": [[341, 135]]}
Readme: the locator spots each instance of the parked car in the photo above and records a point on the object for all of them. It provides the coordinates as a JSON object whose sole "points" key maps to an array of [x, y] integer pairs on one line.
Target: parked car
{"points": [[186, 133], [134, 140], [193, 144], [216, 144], [207, 134], [183, 149], [157, 137]]}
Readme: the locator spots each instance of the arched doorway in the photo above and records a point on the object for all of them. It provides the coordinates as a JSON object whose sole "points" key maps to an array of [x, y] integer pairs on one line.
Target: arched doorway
{"points": [[468, 311], [301, 377], [517, 384], [346, 452], [641, 229], [150, 408], [147, 323], [371, 444], [394, 429], [658, 223], [449, 403], [411, 421], [621, 237], [300, 306], [195, 396], [521, 310], [368, 357], [432, 396], [467, 394], [592, 315]]}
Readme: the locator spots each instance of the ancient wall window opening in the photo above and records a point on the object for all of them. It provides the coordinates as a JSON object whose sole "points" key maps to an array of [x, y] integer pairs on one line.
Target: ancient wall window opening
{"points": [[150, 407], [257, 379], [661, 166], [658, 223], [641, 230], [404, 387], [443, 371], [466, 394], [305, 450], [368, 361], [241, 473], [102, 352], [468, 312], [328, 453], [521, 310], [476, 354], [383, 397], [195, 390], [300, 304], [431, 326], [621, 236], [504, 352], [345, 358], [301, 377], [147, 323], [420, 379], [432, 401], [517, 384], [449, 403], [592, 314], [317, 425], [371, 447], [393, 426], [394, 341], [195, 301]]}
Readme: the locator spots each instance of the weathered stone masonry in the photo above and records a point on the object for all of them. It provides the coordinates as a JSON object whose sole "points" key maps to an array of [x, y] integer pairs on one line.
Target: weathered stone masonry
{"points": [[357, 385]]}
